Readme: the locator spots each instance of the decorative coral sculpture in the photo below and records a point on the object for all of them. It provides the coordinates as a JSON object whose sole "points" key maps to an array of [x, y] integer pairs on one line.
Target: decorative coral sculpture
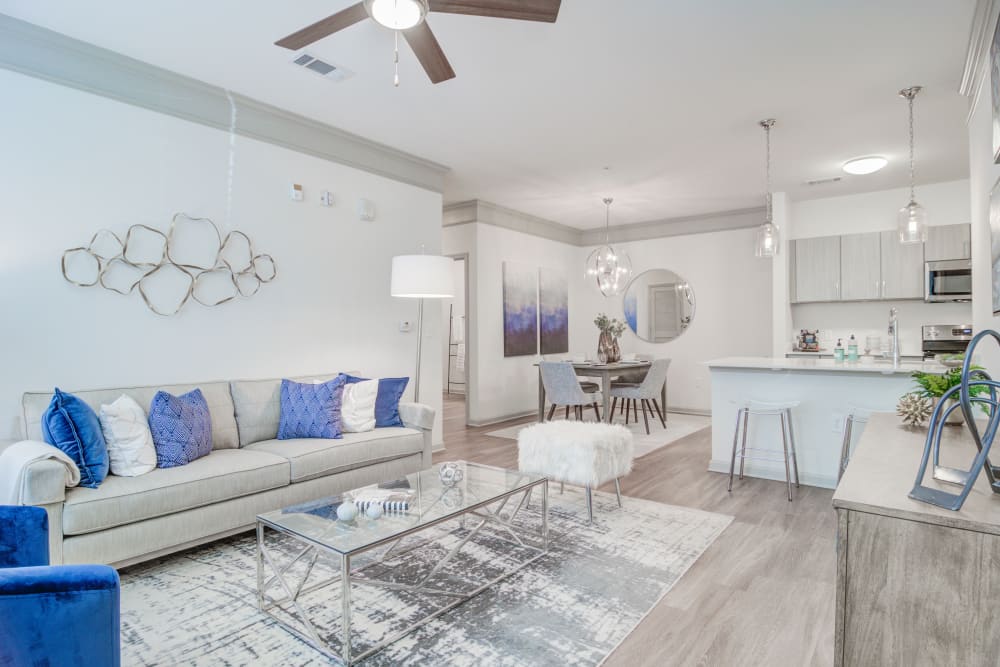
{"points": [[914, 409]]}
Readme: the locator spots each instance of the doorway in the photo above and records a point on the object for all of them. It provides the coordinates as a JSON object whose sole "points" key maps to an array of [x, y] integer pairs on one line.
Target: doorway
{"points": [[456, 352]]}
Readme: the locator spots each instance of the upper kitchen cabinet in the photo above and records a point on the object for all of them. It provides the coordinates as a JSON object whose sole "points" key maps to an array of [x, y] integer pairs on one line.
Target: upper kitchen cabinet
{"points": [[948, 242], [902, 268], [860, 260], [817, 269]]}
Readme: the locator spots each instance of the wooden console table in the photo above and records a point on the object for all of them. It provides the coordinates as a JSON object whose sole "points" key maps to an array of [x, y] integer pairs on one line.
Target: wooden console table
{"points": [[916, 584]]}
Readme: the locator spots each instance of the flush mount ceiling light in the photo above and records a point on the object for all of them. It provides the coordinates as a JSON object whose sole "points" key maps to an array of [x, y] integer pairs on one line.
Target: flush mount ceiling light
{"points": [[397, 14], [861, 166], [767, 243], [911, 222], [611, 268]]}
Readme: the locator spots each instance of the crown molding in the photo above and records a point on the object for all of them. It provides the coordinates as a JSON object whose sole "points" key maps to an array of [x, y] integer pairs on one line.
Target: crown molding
{"points": [[475, 210], [977, 56], [41, 53]]}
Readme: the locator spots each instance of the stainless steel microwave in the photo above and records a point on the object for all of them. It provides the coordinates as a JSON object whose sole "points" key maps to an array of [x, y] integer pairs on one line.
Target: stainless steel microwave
{"points": [[948, 280]]}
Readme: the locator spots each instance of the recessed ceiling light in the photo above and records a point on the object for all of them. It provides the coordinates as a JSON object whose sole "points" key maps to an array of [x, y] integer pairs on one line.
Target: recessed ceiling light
{"points": [[865, 165], [397, 14]]}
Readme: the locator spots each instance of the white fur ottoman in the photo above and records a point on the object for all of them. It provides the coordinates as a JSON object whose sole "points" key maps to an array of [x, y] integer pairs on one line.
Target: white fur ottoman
{"points": [[581, 453]]}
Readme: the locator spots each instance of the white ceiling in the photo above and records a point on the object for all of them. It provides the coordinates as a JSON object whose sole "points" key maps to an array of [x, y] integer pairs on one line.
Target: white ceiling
{"points": [[667, 94]]}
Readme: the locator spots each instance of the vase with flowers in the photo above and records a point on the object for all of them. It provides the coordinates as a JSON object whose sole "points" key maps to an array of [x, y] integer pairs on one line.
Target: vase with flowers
{"points": [[608, 351]]}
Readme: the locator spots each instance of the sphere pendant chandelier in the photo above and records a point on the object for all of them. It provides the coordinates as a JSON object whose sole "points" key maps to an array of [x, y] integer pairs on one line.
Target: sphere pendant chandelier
{"points": [[612, 269]]}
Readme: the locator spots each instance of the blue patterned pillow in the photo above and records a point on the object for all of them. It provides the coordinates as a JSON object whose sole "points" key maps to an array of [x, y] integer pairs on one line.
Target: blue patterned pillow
{"points": [[181, 428], [310, 410], [72, 426], [390, 392]]}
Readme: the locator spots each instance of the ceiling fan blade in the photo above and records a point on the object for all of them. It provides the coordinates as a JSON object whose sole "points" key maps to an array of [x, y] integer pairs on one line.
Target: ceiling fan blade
{"points": [[429, 53], [324, 28], [525, 10]]}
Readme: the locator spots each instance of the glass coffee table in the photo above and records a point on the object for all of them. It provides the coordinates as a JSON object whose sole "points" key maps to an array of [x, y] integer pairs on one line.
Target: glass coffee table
{"points": [[484, 503]]}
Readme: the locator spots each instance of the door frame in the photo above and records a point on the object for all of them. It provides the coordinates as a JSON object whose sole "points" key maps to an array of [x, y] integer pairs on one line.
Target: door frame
{"points": [[470, 346]]}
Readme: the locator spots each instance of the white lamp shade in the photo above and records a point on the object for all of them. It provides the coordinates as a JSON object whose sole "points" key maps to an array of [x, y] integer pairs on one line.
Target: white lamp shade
{"points": [[422, 277]]}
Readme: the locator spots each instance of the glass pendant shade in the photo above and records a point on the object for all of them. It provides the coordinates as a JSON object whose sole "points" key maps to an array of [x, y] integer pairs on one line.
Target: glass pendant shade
{"points": [[611, 269], [768, 241], [912, 223]]}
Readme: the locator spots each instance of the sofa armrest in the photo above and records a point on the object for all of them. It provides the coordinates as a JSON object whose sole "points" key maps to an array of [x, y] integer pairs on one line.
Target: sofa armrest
{"points": [[417, 415], [420, 416], [44, 483], [62, 615]]}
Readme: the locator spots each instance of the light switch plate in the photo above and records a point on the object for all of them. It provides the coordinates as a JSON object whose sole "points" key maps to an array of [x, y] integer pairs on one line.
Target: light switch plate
{"points": [[326, 198], [366, 210]]}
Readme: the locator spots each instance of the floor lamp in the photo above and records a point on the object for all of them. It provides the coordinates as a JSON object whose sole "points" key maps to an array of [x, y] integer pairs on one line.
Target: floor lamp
{"points": [[422, 277]]}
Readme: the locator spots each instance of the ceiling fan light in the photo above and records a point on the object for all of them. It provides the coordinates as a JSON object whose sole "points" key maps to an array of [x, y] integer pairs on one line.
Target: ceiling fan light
{"points": [[865, 165], [397, 14]]}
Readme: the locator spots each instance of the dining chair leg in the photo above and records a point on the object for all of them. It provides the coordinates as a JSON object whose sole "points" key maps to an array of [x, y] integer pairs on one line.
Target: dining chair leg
{"points": [[645, 417], [627, 410], [567, 412], [663, 420], [621, 408], [551, 412], [635, 410], [597, 412], [562, 487], [614, 402], [618, 491]]}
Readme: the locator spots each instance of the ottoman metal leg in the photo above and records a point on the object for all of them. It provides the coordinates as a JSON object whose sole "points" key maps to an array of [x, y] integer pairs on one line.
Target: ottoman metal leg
{"points": [[590, 506], [618, 491]]}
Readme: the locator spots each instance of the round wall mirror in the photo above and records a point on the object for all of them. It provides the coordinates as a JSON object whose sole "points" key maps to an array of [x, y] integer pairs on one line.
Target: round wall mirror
{"points": [[659, 305]]}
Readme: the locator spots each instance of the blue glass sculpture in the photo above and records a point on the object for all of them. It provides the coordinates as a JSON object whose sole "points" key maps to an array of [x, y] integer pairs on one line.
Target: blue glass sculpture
{"points": [[963, 396]]}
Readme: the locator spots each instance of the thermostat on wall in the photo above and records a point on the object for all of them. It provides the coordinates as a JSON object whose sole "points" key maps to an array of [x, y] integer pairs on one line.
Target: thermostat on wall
{"points": [[296, 192], [366, 210]]}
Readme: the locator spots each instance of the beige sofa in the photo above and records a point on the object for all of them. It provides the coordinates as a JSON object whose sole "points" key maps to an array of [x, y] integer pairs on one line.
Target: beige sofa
{"points": [[131, 519]]}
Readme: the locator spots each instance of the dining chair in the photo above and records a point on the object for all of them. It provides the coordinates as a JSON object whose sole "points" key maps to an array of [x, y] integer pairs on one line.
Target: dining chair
{"points": [[563, 388], [643, 393]]}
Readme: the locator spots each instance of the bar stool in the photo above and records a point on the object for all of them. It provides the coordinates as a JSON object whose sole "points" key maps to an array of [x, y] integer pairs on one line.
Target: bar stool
{"points": [[856, 414], [783, 411]]}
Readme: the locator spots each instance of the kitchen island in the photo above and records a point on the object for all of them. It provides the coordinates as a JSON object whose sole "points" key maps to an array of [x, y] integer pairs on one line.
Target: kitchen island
{"points": [[826, 391]]}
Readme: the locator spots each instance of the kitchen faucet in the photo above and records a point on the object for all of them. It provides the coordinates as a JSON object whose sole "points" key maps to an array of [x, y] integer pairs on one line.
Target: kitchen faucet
{"points": [[894, 337]]}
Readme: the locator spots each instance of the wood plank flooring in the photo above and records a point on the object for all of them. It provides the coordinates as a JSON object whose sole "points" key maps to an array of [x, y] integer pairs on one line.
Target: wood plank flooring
{"points": [[762, 594]]}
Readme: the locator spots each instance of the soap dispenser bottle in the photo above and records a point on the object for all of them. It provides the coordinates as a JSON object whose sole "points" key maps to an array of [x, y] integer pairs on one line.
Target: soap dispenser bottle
{"points": [[852, 349], [838, 352]]}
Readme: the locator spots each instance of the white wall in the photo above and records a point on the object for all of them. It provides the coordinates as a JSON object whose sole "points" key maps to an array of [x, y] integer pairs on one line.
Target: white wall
{"points": [[983, 175], [76, 162], [732, 291], [946, 204]]}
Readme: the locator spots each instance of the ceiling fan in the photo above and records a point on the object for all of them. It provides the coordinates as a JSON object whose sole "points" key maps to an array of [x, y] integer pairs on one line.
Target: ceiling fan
{"points": [[409, 18]]}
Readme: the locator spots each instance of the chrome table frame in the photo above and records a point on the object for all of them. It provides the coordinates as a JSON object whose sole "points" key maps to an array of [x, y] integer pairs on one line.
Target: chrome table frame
{"points": [[313, 550]]}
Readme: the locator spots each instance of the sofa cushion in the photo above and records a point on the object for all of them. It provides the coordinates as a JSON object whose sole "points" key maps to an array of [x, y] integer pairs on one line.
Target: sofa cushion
{"points": [[310, 410], [311, 457], [222, 475], [257, 405], [220, 405], [181, 427], [73, 427]]}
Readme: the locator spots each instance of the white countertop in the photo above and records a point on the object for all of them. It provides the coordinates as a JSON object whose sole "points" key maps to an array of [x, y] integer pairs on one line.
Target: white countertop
{"points": [[866, 365]]}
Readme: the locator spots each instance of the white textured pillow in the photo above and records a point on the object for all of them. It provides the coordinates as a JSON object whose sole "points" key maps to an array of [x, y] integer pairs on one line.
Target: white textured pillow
{"points": [[130, 444], [357, 409]]}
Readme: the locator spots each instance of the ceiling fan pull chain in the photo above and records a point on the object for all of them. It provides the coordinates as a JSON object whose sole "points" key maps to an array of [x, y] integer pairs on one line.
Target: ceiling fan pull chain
{"points": [[395, 60]]}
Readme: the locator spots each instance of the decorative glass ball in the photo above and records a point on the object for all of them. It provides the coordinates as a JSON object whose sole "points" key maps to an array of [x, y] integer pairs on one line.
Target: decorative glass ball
{"points": [[374, 510], [347, 511], [451, 474]]}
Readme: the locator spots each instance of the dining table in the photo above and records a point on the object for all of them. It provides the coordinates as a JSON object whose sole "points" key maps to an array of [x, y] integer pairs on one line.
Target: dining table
{"points": [[606, 373]]}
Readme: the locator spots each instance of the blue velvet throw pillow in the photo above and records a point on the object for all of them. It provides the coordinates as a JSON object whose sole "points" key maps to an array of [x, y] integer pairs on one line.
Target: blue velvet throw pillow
{"points": [[390, 392], [311, 410], [72, 426], [181, 428]]}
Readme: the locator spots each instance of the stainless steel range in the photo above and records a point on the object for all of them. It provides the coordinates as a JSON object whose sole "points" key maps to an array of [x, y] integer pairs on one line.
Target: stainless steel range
{"points": [[945, 338]]}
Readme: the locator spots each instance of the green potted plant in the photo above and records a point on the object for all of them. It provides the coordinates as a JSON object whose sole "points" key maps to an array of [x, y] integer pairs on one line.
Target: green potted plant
{"points": [[936, 385], [608, 350]]}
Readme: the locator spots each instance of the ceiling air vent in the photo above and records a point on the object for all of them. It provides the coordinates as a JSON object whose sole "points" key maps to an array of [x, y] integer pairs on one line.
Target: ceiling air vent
{"points": [[324, 69], [824, 181]]}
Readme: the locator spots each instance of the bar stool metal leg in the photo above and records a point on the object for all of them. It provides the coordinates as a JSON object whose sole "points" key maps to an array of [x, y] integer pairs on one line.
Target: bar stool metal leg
{"points": [[618, 491], [784, 446], [791, 441], [743, 444], [845, 447], [736, 439]]}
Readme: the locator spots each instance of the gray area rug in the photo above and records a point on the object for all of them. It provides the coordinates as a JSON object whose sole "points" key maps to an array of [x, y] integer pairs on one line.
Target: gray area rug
{"points": [[573, 606]]}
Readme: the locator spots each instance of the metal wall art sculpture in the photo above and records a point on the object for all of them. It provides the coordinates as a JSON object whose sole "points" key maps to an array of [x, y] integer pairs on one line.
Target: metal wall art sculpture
{"points": [[976, 390], [210, 272]]}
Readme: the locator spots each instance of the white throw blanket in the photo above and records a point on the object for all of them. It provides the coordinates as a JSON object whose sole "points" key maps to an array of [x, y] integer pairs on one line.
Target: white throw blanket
{"points": [[14, 462]]}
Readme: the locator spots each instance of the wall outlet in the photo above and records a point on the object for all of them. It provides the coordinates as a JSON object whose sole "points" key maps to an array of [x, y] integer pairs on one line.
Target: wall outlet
{"points": [[296, 192], [405, 326]]}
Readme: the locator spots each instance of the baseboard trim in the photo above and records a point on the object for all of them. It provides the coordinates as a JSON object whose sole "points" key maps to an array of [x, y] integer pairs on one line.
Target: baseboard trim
{"points": [[491, 421], [774, 472]]}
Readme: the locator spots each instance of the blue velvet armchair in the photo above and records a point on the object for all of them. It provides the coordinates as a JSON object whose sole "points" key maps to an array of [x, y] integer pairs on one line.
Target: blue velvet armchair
{"points": [[52, 615]]}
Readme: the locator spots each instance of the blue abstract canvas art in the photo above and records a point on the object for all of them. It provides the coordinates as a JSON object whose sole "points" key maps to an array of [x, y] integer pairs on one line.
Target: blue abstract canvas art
{"points": [[520, 310], [631, 312], [553, 311]]}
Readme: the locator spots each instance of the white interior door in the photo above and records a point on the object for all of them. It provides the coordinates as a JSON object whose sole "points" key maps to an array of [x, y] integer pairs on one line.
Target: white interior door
{"points": [[664, 313]]}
